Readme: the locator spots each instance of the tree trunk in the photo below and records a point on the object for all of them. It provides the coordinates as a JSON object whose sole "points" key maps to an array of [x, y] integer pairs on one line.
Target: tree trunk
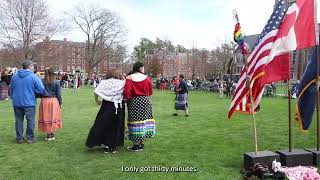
{"points": [[90, 70]]}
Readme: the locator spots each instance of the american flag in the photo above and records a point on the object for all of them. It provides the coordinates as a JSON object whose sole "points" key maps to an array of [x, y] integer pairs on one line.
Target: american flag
{"points": [[269, 59]]}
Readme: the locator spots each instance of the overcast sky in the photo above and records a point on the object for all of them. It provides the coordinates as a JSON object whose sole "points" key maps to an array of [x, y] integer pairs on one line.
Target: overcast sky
{"points": [[198, 23]]}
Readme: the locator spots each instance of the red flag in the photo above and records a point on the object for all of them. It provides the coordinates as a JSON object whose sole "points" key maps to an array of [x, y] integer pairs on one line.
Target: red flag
{"points": [[285, 31]]}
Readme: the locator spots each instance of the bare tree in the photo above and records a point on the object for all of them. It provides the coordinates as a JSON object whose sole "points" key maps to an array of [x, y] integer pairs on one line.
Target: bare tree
{"points": [[117, 56], [164, 48], [103, 29], [222, 55], [204, 59], [23, 23], [195, 61]]}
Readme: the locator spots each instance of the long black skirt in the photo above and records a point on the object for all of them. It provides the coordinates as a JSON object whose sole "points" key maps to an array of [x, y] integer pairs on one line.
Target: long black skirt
{"points": [[108, 128]]}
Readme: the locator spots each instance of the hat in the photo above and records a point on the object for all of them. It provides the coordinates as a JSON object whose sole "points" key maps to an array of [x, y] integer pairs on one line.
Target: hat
{"points": [[26, 63]]}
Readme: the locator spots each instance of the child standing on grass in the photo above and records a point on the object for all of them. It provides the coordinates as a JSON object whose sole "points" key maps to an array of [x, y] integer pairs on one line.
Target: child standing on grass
{"points": [[50, 106]]}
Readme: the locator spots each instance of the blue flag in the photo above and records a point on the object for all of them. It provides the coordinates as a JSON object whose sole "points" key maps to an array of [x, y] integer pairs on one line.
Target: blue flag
{"points": [[307, 94]]}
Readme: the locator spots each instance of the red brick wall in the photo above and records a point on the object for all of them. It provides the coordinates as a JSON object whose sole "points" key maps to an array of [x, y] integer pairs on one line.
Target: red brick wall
{"points": [[62, 55]]}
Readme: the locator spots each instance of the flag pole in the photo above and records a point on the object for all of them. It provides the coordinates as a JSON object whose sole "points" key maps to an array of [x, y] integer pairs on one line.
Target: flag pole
{"points": [[289, 114], [289, 102], [240, 41], [253, 122], [318, 100], [254, 126]]}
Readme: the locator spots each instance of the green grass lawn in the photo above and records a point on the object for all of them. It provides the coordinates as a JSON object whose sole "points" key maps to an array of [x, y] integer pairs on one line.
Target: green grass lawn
{"points": [[205, 140]]}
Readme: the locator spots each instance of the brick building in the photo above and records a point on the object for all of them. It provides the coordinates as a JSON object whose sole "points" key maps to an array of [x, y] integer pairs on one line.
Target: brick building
{"points": [[65, 56], [190, 64], [62, 55], [174, 64]]}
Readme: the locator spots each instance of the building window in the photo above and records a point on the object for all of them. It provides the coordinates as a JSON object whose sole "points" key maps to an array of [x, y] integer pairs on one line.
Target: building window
{"points": [[83, 68], [68, 61], [79, 61], [105, 69], [73, 61], [68, 68], [72, 67], [83, 62], [78, 67], [60, 68], [42, 67]]}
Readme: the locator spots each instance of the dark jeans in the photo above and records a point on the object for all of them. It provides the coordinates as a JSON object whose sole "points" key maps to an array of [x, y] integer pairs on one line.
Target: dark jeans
{"points": [[19, 113]]}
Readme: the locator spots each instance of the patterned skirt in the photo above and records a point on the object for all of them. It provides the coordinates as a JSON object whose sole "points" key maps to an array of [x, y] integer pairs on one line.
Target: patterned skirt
{"points": [[141, 124], [49, 120], [181, 102], [3, 90]]}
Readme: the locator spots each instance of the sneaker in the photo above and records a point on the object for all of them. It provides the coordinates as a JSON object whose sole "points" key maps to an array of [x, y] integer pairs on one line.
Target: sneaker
{"points": [[141, 146], [106, 149], [187, 115], [175, 114], [134, 148], [112, 150], [19, 141], [48, 138], [31, 141], [52, 137], [109, 150]]}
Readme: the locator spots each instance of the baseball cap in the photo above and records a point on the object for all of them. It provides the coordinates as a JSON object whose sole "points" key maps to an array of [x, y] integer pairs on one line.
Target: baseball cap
{"points": [[26, 63]]}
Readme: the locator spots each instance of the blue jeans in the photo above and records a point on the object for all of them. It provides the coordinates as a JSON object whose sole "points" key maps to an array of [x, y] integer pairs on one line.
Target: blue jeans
{"points": [[19, 113]]}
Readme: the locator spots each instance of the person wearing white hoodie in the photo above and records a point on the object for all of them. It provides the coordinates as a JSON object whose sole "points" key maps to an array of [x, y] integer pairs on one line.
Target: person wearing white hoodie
{"points": [[108, 128]]}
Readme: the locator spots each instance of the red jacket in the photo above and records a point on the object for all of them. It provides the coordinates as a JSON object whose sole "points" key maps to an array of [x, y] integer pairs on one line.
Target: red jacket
{"points": [[137, 85]]}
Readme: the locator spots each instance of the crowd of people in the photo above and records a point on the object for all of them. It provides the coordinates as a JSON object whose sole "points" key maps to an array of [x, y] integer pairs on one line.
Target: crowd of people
{"points": [[113, 94], [218, 84], [76, 80]]}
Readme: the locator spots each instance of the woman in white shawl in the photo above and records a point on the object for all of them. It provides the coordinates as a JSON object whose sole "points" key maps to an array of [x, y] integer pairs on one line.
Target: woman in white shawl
{"points": [[108, 128]]}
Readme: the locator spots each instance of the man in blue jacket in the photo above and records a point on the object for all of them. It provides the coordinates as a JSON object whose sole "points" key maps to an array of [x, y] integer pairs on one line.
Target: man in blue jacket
{"points": [[24, 87]]}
